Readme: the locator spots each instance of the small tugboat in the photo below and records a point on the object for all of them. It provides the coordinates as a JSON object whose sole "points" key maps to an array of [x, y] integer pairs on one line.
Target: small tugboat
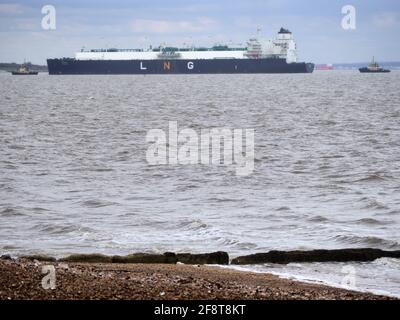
{"points": [[23, 70], [373, 67]]}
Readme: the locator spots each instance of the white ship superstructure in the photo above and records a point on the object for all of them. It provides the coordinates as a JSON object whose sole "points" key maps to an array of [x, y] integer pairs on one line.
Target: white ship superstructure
{"points": [[128, 54], [283, 47]]}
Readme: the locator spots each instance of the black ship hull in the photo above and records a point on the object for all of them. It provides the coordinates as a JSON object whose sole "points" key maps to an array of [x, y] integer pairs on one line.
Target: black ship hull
{"points": [[30, 73], [366, 70], [200, 66]]}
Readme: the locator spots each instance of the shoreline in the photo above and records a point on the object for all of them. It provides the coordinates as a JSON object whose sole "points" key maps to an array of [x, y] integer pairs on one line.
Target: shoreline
{"points": [[315, 281], [22, 279]]}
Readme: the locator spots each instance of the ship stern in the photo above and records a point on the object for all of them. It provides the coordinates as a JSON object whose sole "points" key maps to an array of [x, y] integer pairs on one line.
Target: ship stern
{"points": [[310, 67]]}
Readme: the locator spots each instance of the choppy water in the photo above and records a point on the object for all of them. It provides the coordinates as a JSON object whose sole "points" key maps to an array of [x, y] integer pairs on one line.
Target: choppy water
{"points": [[74, 176]]}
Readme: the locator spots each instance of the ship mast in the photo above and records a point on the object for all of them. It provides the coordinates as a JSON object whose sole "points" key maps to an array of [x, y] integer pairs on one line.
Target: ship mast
{"points": [[258, 31]]}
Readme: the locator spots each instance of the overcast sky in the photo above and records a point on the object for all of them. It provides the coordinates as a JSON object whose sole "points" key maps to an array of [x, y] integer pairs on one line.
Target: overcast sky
{"points": [[316, 25]]}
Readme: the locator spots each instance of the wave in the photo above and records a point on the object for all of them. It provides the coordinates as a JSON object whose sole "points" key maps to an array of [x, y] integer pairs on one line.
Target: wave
{"points": [[284, 208], [388, 262], [233, 243], [373, 204], [72, 231], [374, 177], [10, 212], [318, 219], [193, 225], [97, 203], [101, 169], [369, 241], [61, 229], [370, 221], [214, 199]]}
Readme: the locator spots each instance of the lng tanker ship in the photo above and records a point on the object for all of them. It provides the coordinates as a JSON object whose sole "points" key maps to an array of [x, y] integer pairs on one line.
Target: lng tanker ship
{"points": [[260, 56]]}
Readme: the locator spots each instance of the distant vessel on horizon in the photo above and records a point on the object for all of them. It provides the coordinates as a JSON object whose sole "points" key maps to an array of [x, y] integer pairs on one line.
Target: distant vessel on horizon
{"points": [[373, 67], [23, 70], [324, 67]]}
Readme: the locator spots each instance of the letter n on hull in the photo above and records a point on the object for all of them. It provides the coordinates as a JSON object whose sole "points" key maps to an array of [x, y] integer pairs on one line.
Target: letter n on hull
{"points": [[167, 66]]}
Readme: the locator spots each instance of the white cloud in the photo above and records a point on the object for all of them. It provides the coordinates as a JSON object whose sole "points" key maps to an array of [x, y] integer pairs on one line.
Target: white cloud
{"points": [[387, 19], [11, 8], [169, 26], [191, 8]]}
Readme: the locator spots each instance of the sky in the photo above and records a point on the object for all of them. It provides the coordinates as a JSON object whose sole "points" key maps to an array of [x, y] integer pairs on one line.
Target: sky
{"points": [[316, 26]]}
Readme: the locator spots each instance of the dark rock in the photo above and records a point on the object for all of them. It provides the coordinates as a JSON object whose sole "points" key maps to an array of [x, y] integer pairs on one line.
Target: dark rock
{"points": [[92, 258], [5, 257], [340, 255], [204, 258], [167, 257], [39, 257]]}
